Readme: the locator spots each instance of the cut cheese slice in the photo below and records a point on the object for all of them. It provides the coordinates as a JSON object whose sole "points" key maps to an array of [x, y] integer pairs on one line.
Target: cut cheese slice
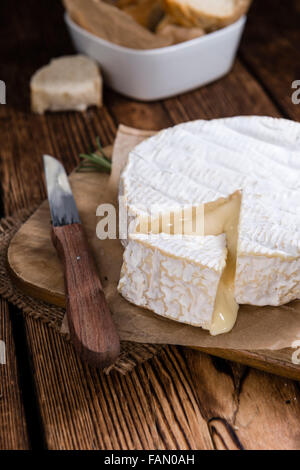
{"points": [[187, 226], [179, 277]]}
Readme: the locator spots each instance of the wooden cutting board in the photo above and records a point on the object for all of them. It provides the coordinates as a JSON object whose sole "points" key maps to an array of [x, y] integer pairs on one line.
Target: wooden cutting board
{"points": [[36, 269]]}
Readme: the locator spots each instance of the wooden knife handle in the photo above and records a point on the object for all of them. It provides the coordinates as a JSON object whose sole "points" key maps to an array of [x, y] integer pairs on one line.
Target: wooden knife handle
{"points": [[92, 330]]}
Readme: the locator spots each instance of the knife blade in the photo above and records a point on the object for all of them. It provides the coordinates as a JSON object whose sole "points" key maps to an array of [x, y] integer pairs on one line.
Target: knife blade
{"points": [[92, 330], [62, 204]]}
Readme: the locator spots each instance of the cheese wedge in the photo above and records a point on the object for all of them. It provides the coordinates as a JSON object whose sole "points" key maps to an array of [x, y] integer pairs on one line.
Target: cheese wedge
{"points": [[180, 278]]}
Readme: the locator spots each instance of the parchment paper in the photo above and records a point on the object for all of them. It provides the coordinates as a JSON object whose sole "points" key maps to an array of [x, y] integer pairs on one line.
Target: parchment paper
{"points": [[110, 23], [256, 328]]}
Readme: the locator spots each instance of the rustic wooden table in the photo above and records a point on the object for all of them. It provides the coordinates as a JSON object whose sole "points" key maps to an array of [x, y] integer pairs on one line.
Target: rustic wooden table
{"points": [[181, 399]]}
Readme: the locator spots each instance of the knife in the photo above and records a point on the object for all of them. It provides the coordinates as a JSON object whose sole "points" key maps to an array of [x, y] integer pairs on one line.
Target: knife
{"points": [[92, 330]]}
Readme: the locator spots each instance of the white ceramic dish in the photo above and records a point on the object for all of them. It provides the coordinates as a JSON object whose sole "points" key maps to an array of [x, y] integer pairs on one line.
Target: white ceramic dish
{"points": [[160, 73]]}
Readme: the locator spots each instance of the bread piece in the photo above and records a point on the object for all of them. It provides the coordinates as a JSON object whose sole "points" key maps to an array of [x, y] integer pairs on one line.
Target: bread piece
{"points": [[177, 33], [67, 83], [112, 24], [207, 14], [147, 13]]}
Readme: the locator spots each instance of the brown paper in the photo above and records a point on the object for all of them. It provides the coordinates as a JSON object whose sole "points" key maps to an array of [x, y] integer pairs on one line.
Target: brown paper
{"points": [[147, 13], [168, 28], [256, 328], [126, 139], [110, 23]]}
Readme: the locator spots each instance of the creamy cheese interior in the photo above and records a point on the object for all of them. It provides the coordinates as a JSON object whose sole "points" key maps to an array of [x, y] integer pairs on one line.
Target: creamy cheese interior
{"points": [[215, 218], [223, 217]]}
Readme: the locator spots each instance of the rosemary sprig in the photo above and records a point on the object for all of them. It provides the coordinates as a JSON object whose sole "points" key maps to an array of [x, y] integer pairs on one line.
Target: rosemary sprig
{"points": [[95, 161]]}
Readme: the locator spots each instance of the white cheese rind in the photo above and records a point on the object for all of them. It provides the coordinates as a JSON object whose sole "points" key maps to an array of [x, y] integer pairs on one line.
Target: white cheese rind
{"points": [[202, 161], [266, 280], [268, 251], [175, 277]]}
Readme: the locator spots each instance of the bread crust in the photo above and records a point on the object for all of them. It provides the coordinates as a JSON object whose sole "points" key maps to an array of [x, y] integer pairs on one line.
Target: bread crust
{"points": [[59, 85], [189, 16]]}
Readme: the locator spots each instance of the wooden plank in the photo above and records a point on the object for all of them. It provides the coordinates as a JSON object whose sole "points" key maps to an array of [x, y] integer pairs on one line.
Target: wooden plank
{"points": [[257, 408], [13, 429], [183, 399], [254, 410], [236, 94], [136, 113], [270, 48], [81, 408], [274, 362], [151, 408]]}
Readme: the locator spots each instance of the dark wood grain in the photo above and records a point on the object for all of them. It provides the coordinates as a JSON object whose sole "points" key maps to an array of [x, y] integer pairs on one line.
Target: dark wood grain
{"points": [[245, 408], [270, 48], [13, 429], [182, 399], [92, 330]]}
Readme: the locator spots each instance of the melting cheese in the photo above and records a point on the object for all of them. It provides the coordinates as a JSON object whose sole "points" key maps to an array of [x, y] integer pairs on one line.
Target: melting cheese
{"points": [[215, 218], [223, 217]]}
